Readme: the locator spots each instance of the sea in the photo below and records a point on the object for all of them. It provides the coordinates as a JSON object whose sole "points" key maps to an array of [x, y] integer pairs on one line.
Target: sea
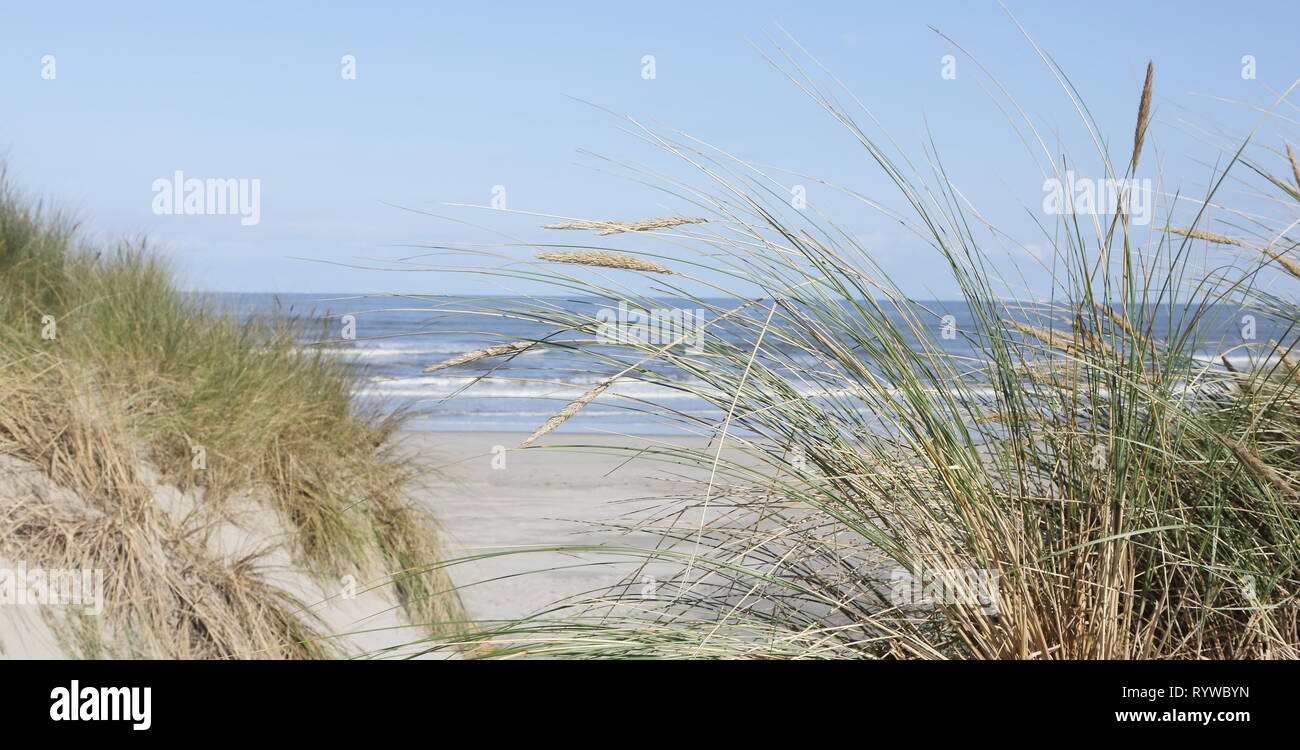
{"points": [[395, 338]]}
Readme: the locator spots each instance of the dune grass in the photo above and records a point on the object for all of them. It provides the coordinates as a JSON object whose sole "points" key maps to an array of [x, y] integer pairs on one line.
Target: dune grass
{"points": [[1130, 500], [113, 383]]}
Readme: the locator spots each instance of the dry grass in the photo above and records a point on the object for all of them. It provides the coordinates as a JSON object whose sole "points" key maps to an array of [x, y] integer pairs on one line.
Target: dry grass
{"points": [[110, 411], [603, 259], [568, 411], [1143, 117], [616, 227], [1201, 234], [1295, 166], [487, 351]]}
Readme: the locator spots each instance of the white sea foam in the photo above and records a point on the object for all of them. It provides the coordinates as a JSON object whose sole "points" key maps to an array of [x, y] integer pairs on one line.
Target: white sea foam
{"points": [[370, 350]]}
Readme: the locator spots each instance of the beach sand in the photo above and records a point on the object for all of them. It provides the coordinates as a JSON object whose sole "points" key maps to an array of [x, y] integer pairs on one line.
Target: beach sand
{"points": [[533, 499], [543, 497]]}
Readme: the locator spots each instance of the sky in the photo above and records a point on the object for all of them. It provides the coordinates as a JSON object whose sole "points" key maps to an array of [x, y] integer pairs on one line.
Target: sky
{"points": [[464, 102]]}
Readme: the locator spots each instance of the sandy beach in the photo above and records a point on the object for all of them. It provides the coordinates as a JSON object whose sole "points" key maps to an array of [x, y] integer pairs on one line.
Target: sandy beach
{"points": [[489, 499], [542, 497]]}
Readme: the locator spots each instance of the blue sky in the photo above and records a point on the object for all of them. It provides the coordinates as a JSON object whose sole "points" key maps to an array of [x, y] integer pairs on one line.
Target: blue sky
{"points": [[451, 100]]}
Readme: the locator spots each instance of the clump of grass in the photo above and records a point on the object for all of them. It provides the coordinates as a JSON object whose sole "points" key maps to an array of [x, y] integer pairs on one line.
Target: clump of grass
{"points": [[1132, 500], [131, 382]]}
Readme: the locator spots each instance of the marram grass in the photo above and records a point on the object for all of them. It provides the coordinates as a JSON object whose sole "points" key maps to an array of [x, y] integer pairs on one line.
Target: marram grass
{"points": [[497, 350], [603, 259], [603, 228], [1133, 500], [112, 404]]}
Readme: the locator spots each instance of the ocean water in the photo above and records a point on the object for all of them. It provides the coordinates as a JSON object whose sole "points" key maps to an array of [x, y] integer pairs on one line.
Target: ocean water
{"points": [[397, 337]]}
